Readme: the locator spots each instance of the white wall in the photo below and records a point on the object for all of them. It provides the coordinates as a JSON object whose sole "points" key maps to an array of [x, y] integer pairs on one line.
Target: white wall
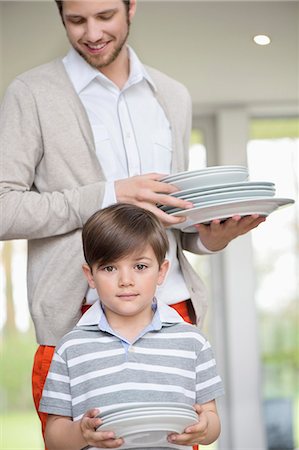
{"points": [[208, 45], [32, 34], [205, 44]]}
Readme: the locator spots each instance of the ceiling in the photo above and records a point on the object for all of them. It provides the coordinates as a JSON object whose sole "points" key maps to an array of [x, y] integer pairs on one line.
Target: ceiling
{"points": [[207, 45]]}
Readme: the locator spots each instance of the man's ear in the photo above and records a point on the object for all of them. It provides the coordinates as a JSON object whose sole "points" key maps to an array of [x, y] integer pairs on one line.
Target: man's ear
{"points": [[88, 274], [132, 9], [163, 271]]}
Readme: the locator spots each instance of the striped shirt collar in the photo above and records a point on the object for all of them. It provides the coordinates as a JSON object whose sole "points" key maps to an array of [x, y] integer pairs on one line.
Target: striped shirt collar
{"points": [[166, 314], [81, 73], [154, 325]]}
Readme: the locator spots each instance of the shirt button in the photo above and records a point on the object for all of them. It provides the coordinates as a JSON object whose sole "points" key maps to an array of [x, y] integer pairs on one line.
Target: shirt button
{"points": [[131, 349], [128, 135]]}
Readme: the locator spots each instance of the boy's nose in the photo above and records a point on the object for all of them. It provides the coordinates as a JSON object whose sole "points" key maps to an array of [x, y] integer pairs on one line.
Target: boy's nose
{"points": [[125, 279]]}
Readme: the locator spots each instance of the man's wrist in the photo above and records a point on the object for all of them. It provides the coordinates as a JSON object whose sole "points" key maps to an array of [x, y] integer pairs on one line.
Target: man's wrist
{"points": [[109, 194]]}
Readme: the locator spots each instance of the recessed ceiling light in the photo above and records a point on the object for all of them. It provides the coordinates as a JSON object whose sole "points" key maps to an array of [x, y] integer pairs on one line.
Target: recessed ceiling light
{"points": [[262, 39]]}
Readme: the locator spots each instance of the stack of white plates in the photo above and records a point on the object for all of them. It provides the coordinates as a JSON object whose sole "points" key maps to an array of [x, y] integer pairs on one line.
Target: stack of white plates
{"points": [[144, 425], [220, 192]]}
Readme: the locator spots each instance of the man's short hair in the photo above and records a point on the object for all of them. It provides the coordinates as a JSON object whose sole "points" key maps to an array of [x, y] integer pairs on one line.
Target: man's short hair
{"points": [[120, 230], [59, 4]]}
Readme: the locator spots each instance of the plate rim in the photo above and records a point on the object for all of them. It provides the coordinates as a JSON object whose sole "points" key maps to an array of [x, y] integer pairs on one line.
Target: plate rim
{"points": [[204, 179], [246, 195], [133, 405], [188, 225], [237, 185], [279, 200], [206, 170]]}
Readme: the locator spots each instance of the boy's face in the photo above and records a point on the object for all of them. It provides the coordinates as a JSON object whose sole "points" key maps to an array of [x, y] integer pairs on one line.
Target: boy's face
{"points": [[98, 29], [127, 287]]}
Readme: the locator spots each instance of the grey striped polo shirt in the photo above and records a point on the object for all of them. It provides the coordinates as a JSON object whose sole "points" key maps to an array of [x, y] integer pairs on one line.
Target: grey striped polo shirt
{"points": [[91, 368]]}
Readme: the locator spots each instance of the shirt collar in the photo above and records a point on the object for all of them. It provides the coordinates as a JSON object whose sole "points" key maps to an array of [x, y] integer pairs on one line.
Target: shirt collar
{"points": [[81, 73], [166, 314], [155, 324], [138, 71]]}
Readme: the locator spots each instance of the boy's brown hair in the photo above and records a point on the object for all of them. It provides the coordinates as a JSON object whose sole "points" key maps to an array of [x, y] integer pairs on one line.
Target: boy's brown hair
{"points": [[119, 230]]}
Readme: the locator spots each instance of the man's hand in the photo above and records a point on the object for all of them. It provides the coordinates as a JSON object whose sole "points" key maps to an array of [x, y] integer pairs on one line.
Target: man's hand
{"points": [[147, 191], [217, 235]]}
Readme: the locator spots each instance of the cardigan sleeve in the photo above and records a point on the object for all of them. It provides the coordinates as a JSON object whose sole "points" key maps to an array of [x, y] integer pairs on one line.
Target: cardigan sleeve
{"points": [[25, 212]]}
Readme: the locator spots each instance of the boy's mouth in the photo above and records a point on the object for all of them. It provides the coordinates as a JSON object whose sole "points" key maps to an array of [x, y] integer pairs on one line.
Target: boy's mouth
{"points": [[127, 295]]}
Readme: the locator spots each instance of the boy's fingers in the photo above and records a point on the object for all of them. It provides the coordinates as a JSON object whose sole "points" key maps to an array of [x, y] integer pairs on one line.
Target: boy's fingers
{"points": [[197, 408], [180, 439], [92, 413], [105, 442]]}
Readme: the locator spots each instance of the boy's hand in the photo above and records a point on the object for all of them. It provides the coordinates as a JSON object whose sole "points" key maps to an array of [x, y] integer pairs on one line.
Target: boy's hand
{"points": [[193, 434], [99, 439]]}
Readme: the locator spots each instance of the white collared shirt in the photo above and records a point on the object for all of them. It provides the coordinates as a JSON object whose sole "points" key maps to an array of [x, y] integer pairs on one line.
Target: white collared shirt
{"points": [[127, 142]]}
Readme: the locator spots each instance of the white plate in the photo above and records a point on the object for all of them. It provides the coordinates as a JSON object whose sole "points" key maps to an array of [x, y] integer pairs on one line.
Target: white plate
{"points": [[134, 405], [145, 439], [224, 210], [141, 424], [173, 178], [206, 170], [223, 196], [149, 413], [232, 191], [201, 180], [150, 409], [224, 188]]}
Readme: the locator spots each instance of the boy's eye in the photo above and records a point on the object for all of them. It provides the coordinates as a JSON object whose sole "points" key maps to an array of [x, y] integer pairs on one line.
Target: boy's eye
{"points": [[108, 269], [141, 266]]}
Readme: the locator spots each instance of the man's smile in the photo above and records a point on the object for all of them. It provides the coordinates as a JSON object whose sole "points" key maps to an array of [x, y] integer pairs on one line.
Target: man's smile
{"points": [[95, 48]]}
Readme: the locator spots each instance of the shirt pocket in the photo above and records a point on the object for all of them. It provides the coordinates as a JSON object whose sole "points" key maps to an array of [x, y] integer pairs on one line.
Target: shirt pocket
{"points": [[104, 150], [100, 133], [162, 151]]}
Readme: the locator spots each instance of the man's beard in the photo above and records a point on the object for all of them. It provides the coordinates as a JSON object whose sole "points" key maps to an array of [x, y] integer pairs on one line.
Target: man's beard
{"points": [[92, 60]]}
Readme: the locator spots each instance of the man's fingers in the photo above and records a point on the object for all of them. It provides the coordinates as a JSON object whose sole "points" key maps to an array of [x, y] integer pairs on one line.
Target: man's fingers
{"points": [[167, 200]]}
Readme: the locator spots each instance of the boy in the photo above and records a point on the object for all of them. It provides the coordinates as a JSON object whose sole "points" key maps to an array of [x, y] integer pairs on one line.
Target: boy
{"points": [[127, 347]]}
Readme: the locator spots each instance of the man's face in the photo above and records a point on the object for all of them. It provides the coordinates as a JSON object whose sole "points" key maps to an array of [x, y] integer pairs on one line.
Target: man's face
{"points": [[98, 29]]}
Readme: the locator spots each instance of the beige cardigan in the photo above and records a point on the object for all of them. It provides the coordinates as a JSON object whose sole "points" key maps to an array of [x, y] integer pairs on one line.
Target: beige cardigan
{"points": [[51, 182]]}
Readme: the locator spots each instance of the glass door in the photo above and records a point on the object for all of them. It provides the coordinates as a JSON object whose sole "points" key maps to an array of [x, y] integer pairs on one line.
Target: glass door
{"points": [[276, 259]]}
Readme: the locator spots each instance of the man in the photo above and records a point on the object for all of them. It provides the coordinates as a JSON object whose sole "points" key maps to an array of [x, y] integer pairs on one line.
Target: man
{"points": [[84, 132]]}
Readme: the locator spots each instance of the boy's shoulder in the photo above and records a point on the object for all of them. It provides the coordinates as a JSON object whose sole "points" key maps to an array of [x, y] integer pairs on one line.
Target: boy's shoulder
{"points": [[186, 330], [188, 327], [77, 333]]}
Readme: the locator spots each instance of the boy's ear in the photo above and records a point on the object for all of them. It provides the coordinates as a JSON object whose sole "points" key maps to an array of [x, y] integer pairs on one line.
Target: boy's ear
{"points": [[88, 274], [163, 271]]}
